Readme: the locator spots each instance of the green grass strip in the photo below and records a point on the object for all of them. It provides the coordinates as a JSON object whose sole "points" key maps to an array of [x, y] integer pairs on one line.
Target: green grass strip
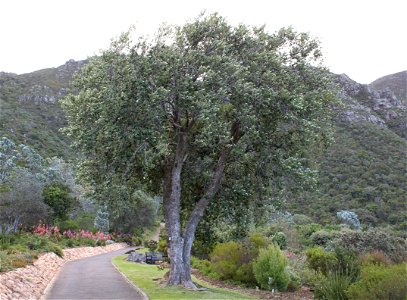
{"points": [[143, 276]]}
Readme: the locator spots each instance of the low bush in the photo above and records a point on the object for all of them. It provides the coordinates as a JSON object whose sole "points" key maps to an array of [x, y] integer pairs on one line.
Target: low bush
{"points": [[321, 261], [203, 265], [280, 239], [374, 239], [152, 245], [305, 232], [322, 237], [233, 261], [244, 274], [348, 263], [381, 282], [270, 269], [332, 286], [300, 219], [226, 259], [295, 280], [375, 257]]}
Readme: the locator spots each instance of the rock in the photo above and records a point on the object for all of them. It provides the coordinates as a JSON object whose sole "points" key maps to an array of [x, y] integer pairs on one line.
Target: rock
{"points": [[137, 257]]}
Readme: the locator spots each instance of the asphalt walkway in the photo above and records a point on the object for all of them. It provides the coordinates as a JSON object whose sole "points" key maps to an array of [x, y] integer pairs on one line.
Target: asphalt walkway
{"points": [[92, 278]]}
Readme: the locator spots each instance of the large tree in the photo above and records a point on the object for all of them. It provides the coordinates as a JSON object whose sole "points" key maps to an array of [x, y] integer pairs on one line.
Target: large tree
{"points": [[196, 107]]}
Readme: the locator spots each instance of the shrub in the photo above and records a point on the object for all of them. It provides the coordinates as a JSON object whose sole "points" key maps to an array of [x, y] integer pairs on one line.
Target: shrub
{"points": [[244, 274], [203, 265], [152, 245], [280, 239], [349, 217], [348, 263], [135, 241], [322, 237], [300, 219], [5, 262], [58, 197], [162, 246], [375, 257], [226, 259], [252, 245], [295, 280], [381, 282], [269, 269], [68, 225], [305, 232], [321, 261], [332, 286], [374, 239]]}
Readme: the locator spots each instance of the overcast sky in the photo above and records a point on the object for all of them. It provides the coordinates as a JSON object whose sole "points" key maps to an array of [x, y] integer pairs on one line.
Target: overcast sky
{"points": [[364, 39]]}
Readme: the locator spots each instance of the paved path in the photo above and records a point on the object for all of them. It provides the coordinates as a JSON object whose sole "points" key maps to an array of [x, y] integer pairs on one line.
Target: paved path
{"points": [[92, 278]]}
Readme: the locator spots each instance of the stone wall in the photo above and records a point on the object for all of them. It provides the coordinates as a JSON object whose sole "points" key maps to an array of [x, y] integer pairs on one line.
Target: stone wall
{"points": [[30, 282]]}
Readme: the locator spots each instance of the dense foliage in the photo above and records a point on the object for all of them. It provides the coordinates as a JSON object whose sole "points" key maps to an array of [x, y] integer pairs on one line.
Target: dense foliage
{"points": [[194, 109]]}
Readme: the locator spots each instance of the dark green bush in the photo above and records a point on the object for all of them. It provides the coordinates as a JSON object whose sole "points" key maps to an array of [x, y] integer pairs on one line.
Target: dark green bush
{"points": [[68, 225], [322, 237], [58, 197], [380, 282], [321, 261], [280, 239], [305, 232], [270, 269]]}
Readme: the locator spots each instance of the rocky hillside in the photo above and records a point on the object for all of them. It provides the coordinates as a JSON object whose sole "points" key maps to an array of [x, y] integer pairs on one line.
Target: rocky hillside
{"points": [[364, 170], [397, 83], [380, 107], [29, 108]]}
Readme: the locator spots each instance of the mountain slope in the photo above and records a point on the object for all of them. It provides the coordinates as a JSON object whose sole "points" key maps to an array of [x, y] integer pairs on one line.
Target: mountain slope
{"points": [[364, 170], [29, 108], [397, 83]]}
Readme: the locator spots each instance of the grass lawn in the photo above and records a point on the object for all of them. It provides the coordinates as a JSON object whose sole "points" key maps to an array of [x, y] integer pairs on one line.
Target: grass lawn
{"points": [[142, 275]]}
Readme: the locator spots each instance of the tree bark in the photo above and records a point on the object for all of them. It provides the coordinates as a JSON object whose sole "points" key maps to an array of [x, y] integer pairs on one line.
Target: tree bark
{"points": [[180, 244], [171, 201]]}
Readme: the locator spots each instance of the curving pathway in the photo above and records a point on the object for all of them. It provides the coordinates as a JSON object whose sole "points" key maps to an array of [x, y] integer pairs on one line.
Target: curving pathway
{"points": [[92, 278]]}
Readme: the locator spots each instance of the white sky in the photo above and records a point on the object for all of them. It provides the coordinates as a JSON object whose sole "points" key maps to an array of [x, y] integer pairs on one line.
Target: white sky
{"points": [[364, 39]]}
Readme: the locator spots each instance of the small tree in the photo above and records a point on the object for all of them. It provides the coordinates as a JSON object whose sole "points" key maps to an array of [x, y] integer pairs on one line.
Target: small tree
{"points": [[102, 220], [202, 108], [57, 196]]}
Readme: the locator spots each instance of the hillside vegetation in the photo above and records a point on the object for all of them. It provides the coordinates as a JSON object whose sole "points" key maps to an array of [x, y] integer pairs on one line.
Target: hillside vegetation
{"points": [[30, 112], [364, 170]]}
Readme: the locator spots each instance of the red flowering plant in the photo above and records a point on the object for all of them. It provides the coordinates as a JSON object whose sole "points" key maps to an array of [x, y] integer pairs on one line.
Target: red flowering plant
{"points": [[54, 233]]}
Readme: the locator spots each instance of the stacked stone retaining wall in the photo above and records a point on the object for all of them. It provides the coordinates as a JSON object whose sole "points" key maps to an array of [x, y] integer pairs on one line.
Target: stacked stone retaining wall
{"points": [[31, 281]]}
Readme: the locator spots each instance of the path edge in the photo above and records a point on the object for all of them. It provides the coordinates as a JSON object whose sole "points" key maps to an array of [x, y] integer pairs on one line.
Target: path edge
{"points": [[51, 283], [145, 297]]}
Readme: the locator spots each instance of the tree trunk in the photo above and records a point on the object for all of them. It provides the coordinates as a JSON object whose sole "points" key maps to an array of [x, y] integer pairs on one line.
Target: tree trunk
{"points": [[180, 245], [171, 201]]}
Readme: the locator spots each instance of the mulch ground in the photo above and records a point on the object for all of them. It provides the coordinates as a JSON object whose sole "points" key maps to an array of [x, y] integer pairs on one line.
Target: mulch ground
{"points": [[303, 294]]}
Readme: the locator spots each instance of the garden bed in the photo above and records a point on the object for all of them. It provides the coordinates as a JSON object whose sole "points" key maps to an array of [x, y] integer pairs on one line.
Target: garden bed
{"points": [[303, 294]]}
